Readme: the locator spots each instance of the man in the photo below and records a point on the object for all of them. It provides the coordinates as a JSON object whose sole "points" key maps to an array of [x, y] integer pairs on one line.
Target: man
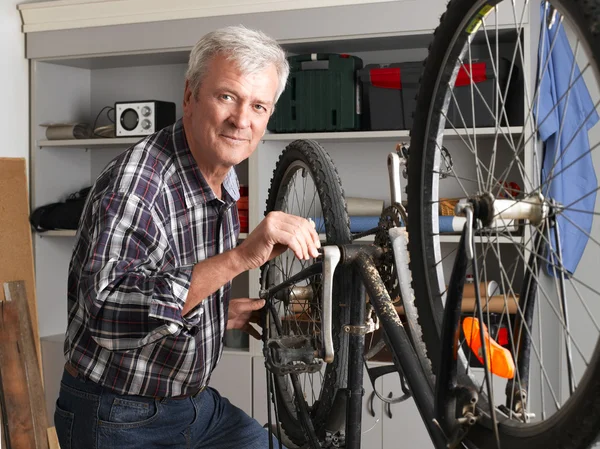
{"points": [[149, 280]]}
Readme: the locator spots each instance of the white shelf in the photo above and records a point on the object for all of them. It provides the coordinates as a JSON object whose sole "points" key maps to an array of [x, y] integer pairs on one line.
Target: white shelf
{"points": [[357, 136], [90, 143], [456, 239], [59, 233], [443, 239], [73, 233]]}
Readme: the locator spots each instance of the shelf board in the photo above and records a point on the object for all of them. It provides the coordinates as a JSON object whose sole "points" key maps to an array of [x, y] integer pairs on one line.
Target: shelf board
{"points": [[59, 233], [244, 235], [383, 135], [90, 143], [447, 238], [456, 238], [330, 136], [73, 233]]}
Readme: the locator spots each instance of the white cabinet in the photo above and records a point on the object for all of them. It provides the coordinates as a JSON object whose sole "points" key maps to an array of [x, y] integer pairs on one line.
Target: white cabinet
{"points": [[259, 390], [233, 379], [372, 415], [402, 422], [53, 361]]}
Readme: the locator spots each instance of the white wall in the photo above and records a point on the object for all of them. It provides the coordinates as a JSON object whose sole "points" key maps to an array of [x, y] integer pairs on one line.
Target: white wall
{"points": [[14, 83]]}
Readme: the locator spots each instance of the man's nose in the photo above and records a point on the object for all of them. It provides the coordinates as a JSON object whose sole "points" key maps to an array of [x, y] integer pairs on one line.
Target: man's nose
{"points": [[240, 117]]}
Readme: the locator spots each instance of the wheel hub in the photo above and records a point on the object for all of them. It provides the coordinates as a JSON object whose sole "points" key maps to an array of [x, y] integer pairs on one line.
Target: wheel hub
{"points": [[489, 210]]}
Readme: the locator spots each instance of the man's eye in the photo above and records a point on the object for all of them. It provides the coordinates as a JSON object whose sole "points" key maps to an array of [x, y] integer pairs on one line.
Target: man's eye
{"points": [[226, 97], [260, 107]]}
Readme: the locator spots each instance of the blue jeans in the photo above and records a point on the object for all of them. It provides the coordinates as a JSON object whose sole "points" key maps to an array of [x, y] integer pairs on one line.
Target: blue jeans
{"points": [[89, 416]]}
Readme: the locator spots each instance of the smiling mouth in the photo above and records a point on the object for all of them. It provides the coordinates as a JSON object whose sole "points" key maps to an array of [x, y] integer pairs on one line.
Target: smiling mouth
{"points": [[235, 139]]}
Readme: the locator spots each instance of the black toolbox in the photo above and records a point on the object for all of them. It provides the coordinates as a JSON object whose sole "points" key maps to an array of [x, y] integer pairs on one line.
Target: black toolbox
{"points": [[388, 94], [476, 91], [321, 95]]}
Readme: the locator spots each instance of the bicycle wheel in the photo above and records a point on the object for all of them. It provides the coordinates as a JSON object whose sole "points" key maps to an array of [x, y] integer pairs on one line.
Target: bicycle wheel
{"points": [[545, 293], [306, 183]]}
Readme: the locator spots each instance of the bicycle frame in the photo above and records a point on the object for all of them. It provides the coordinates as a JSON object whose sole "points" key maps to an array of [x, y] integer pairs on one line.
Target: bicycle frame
{"points": [[362, 258], [437, 400]]}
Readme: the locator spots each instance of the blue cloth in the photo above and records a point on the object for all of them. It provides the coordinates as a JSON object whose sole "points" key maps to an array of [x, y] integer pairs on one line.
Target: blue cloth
{"points": [[90, 416], [579, 179]]}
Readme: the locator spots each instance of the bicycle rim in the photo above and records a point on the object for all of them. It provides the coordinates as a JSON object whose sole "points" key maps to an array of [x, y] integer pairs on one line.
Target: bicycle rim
{"points": [[305, 183], [530, 264]]}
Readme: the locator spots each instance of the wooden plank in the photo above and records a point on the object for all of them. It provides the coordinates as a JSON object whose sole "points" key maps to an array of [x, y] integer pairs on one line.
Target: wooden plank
{"points": [[15, 291], [3, 423], [53, 438], [15, 393], [16, 254], [20, 378]]}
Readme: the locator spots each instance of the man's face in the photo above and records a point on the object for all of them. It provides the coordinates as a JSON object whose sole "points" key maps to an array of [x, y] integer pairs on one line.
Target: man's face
{"points": [[229, 116]]}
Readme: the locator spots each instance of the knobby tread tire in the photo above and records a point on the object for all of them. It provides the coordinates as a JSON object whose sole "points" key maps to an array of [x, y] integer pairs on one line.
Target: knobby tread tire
{"points": [[337, 225]]}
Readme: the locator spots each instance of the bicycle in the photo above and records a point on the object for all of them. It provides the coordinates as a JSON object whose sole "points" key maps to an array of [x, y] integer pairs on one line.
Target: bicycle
{"points": [[317, 314]]}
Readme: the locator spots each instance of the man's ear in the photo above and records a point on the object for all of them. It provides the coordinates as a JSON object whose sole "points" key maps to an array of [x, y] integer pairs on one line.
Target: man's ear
{"points": [[187, 94]]}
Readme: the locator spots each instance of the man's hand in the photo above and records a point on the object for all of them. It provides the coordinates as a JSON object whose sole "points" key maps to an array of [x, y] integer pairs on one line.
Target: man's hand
{"points": [[242, 312], [277, 232]]}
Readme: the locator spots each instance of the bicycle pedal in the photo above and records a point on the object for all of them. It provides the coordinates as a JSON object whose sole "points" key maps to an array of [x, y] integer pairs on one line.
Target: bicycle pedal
{"points": [[499, 359], [291, 355]]}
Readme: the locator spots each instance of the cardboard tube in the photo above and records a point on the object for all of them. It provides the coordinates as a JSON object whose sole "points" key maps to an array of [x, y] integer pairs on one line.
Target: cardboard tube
{"points": [[496, 304], [364, 206]]}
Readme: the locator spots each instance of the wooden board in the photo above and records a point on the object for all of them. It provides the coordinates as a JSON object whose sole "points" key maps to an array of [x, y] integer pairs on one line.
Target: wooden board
{"points": [[53, 438], [21, 387], [16, 253]]}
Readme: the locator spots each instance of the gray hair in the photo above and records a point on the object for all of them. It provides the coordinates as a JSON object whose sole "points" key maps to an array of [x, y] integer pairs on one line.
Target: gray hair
{"points": [[251, 50]]}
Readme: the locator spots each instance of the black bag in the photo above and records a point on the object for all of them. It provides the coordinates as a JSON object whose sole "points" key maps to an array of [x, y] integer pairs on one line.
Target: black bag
{"points": [[63, 215]]}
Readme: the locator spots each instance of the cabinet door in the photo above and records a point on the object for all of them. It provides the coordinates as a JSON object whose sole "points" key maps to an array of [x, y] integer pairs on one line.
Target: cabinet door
{"points": [[372, 416], [402, 423], [259, 390], [233, 379]]}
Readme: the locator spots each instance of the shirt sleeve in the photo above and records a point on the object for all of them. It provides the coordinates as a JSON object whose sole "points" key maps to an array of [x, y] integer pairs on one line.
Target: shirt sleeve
{"points": [[132, 298]]}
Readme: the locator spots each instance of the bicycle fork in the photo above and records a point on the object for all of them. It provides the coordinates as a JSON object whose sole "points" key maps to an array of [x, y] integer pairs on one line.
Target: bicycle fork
{"points": [[367, 278]]}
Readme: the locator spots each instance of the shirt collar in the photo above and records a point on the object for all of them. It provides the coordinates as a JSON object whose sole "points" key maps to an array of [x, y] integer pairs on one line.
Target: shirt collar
{"points": [[195, 187]]}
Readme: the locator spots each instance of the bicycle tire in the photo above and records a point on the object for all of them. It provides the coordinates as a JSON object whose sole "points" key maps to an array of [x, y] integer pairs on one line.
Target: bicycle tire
{"points": [[310, 160], [576, 424]]}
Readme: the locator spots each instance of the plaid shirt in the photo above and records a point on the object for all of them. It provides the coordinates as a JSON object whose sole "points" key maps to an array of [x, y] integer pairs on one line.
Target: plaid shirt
{"points": [[149, 218]]}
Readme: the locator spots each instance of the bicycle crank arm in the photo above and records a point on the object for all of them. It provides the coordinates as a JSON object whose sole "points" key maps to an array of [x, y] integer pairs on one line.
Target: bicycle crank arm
{"points": [[331, 259]]}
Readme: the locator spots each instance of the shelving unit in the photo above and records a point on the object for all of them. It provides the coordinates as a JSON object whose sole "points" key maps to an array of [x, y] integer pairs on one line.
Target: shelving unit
{"points": [[89, 143], [77, 72]]}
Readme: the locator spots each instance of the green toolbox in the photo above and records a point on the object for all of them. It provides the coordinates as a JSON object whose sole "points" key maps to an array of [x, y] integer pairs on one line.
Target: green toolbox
{"points": [[321, 95]]}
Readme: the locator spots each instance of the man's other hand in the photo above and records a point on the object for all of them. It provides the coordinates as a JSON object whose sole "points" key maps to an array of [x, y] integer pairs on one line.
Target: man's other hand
{"points": [[243, 312]]}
